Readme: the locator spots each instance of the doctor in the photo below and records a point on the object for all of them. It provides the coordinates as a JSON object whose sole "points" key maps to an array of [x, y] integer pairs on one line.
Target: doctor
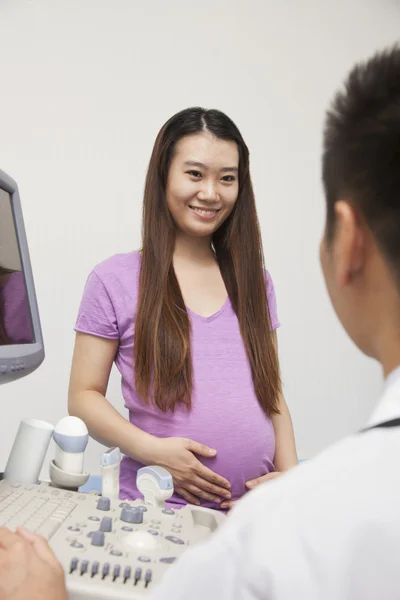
{"points": [[330, 529]]}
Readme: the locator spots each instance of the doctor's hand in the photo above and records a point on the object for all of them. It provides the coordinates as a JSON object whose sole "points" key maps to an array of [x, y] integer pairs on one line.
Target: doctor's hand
{"points": [[28, 568], [251, 485], [192, 480]]}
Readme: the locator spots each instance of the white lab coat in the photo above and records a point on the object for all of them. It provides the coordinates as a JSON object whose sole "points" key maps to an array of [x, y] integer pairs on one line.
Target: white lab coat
{"points": [[327, 530]]}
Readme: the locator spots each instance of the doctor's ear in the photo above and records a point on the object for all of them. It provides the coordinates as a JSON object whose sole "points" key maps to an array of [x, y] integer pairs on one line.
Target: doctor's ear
{"points": [[349, 243]]}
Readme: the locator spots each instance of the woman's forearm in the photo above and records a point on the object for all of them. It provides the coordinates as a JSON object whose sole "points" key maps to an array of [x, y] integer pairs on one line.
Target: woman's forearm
{"points": [[285, 445], [107, 426]]}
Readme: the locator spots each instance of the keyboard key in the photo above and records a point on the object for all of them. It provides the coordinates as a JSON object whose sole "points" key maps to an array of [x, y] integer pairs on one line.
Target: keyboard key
{"points": [[48, 529]]}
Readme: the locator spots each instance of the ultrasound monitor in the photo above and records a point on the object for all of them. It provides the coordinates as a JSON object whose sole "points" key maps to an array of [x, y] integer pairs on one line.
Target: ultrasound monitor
{"points": [[21, 342]]}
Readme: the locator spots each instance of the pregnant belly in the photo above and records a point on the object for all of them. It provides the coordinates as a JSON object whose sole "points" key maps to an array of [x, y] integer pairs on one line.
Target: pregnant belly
{"points": [[245, 450], [240, 458]]}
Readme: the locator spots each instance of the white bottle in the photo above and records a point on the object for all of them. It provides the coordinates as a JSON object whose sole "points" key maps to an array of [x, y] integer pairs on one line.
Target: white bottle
{"points": [[28, 451]]}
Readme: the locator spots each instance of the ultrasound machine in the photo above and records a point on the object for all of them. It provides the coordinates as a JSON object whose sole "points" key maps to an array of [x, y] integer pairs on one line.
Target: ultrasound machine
{"points": [[109, 547]]}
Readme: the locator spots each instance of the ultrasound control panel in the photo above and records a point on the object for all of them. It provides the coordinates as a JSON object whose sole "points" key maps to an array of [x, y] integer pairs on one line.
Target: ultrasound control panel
{"points": [[109, 549]]}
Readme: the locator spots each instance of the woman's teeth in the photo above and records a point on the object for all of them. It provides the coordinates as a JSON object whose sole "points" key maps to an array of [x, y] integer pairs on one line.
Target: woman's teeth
{"points": [[202, 211]]}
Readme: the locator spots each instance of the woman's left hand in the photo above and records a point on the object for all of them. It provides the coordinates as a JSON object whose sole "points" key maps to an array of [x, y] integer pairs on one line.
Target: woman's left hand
{"points": [[228, 504]]}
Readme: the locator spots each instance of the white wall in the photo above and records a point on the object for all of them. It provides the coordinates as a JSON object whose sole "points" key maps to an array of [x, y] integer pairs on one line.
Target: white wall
{"points": [[85, 86]]}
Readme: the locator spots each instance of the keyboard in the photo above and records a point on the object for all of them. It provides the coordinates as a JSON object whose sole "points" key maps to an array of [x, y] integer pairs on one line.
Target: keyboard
{"points": [[108, 548]]}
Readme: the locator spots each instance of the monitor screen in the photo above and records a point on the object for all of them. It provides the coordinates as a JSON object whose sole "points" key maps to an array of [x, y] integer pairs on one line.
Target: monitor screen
{"points": [[21, 343], [15, 317]]}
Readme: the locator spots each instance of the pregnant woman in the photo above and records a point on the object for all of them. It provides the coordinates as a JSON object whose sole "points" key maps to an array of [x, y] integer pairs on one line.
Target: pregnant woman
{"points": [[190, 323]]}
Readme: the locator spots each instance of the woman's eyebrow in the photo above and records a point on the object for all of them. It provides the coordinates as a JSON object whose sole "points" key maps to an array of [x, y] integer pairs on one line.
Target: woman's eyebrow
{"points": [[200, 165]]}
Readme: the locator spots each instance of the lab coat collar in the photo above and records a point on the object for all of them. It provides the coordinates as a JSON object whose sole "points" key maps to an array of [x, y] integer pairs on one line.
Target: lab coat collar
{"points": [[389, 404]]}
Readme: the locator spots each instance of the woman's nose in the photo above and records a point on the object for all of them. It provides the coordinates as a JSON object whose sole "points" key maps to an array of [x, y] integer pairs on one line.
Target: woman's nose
{"points": [[208, 191]]}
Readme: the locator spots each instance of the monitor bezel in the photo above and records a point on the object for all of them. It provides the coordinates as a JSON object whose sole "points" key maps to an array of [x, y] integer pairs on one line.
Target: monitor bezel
{"points": [[17, 360]]}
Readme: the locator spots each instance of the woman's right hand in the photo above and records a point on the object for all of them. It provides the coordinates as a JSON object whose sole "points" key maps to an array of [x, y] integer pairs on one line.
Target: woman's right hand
{"points": [[192, 480]]}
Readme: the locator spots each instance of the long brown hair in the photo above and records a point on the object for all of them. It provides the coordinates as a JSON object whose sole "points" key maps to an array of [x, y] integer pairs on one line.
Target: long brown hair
{"points": [[162, 356], [4, 339]]}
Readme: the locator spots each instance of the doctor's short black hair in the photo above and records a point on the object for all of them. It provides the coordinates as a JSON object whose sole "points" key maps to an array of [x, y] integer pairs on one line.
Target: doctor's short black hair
{"points": [[361, 150]]}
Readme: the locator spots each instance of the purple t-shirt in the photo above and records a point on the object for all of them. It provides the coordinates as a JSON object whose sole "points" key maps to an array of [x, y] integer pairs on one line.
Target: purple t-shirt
{"points": [[225, 412], [17, 320]]}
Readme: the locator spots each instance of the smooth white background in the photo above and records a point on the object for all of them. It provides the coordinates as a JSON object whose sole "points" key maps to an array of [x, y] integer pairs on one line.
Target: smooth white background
{"points": [[86, 85]]}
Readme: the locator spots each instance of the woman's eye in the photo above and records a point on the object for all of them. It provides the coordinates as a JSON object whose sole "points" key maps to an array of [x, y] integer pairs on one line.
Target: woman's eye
{"points": [[196, 174], [228, 178]]}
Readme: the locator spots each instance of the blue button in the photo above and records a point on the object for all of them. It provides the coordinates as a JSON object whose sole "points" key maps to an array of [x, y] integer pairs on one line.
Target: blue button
{"points": [[131, 515], [103, 503], [148, 576], [169, 560], [98, 538], [106, 524], [106, 569], [84, 566], [116, 571], [73, 565], [174, 540]]}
